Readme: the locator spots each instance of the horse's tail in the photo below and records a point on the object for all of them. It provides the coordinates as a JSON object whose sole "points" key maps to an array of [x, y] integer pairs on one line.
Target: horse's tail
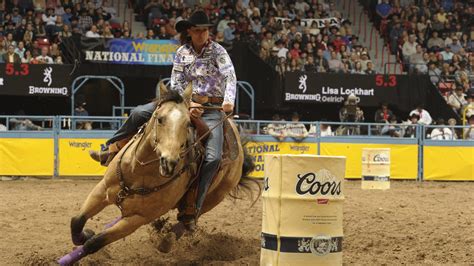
{"points": [[246, 183]]}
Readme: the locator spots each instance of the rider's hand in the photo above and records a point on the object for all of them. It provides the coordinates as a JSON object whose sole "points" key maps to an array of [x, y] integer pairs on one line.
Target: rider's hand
{"points": [[227, 107], [196, 112]]}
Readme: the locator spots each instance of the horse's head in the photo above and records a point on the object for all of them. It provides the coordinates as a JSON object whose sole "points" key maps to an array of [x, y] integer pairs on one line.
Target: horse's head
{"points": [[170, 125]]}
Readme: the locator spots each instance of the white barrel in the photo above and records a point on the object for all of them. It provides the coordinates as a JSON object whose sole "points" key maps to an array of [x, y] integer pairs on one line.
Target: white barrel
{"points": [[375, 168], [302, 210]]}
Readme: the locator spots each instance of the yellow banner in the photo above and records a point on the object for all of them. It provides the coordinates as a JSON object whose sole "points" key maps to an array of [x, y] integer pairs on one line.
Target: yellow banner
{"points": [[259, 149], [74, 159], [404, 158], [26, 157], [448, 163]]}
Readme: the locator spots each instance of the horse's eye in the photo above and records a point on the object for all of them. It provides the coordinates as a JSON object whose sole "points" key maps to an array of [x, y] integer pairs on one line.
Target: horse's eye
{"points": [[183, 145], [160, 120]]}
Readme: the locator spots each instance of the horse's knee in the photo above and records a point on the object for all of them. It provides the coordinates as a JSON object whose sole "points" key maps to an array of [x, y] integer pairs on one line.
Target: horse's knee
{"points": [[77, 224], [80, 236], [95, 243]]}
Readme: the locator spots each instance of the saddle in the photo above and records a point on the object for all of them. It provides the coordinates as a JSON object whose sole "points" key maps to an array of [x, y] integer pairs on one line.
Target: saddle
{"points": [[187, 204]]}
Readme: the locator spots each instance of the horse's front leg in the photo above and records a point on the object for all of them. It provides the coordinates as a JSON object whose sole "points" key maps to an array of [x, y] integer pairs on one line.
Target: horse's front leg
{"points": [[95, 202], [121, 229]]}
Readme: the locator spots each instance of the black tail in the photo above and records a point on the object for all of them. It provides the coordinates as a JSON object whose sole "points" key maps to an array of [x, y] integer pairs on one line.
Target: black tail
{"points": [[247, 183]]}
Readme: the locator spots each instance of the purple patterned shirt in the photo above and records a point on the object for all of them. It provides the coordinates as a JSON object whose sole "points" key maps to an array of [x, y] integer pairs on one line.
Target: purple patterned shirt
{"points": [[211, 72]]}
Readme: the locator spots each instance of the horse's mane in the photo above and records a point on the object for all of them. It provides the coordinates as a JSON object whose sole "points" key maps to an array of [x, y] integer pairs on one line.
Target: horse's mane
{"points": [[170, 96]]}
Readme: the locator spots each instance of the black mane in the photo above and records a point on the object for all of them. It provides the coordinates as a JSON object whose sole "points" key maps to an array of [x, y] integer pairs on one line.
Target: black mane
{"points": [[170, 96]]}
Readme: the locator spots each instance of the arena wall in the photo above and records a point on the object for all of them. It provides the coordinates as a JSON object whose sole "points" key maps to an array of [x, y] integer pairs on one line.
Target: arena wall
{"points": [[33, 154]]}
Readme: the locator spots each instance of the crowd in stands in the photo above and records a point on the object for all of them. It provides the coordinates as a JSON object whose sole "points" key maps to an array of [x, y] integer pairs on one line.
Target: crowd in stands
{"points": [[433, 37], [32, 30], [285, 37]]}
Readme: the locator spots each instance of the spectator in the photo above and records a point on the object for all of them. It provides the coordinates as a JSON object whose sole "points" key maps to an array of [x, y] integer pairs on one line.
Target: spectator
{"points": [[410, 130], [324, 129], [20, 50], [424, 116], [229, 32], [50, 20], [392, 128], [435, 43], [369, 70], [441, 133], [409, 48], [85, 20], [310, 66], [383, 114], [358, 68], [447, 55], [434, 72], [277, 130], [456, 100], [455, 45], [150, 34], [93, 32], [335, 65], [11, 57], [163, 35], [27, 57], [81, 111], [44, 58], [469, 132], [296, 130], [383, 9]]}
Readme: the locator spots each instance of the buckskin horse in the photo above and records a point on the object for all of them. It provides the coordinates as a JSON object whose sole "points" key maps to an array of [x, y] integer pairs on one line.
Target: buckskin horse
{"points": [[152, 173]]}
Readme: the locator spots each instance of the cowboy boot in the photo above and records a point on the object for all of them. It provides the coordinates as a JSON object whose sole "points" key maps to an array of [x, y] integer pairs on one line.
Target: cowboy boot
{"points": [[100, 156], [106, 156]]}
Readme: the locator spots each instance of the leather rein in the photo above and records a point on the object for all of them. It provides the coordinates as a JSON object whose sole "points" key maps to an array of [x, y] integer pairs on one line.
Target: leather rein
{"points": [[126, 191]]}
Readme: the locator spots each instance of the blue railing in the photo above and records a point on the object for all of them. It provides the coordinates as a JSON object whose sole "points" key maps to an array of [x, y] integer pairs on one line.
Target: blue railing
{"points": [[57, 127]]}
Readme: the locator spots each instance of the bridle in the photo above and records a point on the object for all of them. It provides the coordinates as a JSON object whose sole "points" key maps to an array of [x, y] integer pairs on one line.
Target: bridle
{"points": [[125, 190]]}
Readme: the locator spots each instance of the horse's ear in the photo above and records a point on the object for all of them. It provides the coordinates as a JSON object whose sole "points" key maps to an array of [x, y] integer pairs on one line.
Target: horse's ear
{"points": [[162, 90], [188, 92]]}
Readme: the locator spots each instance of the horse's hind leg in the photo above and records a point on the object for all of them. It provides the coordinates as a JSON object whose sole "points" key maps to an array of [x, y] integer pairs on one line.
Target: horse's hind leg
{"points": [[121, 229], [95, 202]]}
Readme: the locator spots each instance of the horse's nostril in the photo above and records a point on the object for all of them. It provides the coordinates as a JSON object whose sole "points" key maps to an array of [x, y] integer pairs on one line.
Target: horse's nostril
{"points": [[162, 161]]}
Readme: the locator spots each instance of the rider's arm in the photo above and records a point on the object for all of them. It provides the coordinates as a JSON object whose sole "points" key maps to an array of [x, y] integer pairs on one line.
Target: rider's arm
{"points": [[226, 68], [178, 77]]}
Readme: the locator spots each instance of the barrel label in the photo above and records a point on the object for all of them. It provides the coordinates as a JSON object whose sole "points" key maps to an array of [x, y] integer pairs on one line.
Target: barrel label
{"points": [[318, 245], [322, 182]]}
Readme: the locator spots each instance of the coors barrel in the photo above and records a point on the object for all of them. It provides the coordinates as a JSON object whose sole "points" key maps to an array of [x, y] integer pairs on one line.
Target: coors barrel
{"points": [[375, 168], [302, 210]]}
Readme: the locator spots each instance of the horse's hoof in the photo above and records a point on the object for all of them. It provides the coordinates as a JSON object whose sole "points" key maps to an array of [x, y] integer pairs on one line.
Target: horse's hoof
{"points": [[190, 225], [83, 237], [178, 229], [167, 243]]}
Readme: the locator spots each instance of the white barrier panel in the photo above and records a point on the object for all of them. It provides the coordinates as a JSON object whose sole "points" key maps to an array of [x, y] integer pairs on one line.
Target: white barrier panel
{"points": [[375, 168], [302, 210]]}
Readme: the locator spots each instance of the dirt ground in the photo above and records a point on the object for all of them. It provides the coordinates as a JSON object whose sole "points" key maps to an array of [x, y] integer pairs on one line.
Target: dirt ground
{"points": [[412, 223]]}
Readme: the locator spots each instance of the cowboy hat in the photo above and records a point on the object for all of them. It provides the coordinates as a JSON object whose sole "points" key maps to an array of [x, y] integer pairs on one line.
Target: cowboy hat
{"points": [[197, 19]]}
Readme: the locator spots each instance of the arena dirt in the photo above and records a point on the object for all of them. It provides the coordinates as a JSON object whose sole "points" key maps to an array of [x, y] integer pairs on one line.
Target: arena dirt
{"points": [[429, 223]]}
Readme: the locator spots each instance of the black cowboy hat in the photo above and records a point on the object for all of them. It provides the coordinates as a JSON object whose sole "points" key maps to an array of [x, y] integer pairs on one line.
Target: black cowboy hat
{"points": [[197, 19]]}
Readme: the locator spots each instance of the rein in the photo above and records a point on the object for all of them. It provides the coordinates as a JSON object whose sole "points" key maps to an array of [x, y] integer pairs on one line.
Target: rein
{"points": [[126, 191]]}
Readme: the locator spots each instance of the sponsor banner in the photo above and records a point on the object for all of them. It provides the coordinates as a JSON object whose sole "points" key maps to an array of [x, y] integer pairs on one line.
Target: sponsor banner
{"points": [[35, 80], [403, 158], [128, 51], [258, 149], [74, 159], [304, 87], [308, 22], [448, 163], [26, 157]]}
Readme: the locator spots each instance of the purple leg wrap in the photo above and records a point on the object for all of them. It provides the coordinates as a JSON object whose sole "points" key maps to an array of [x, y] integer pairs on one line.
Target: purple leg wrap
{"points": [[72, 257], [116, 220]]}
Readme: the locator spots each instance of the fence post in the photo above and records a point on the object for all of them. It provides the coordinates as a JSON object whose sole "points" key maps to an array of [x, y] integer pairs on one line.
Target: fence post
{"points": [[56, 130], [420, 137], [318, 136]]}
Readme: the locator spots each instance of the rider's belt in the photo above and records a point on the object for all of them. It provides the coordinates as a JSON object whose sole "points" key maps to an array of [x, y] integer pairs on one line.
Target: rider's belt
{"points": [[207, 99]]}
